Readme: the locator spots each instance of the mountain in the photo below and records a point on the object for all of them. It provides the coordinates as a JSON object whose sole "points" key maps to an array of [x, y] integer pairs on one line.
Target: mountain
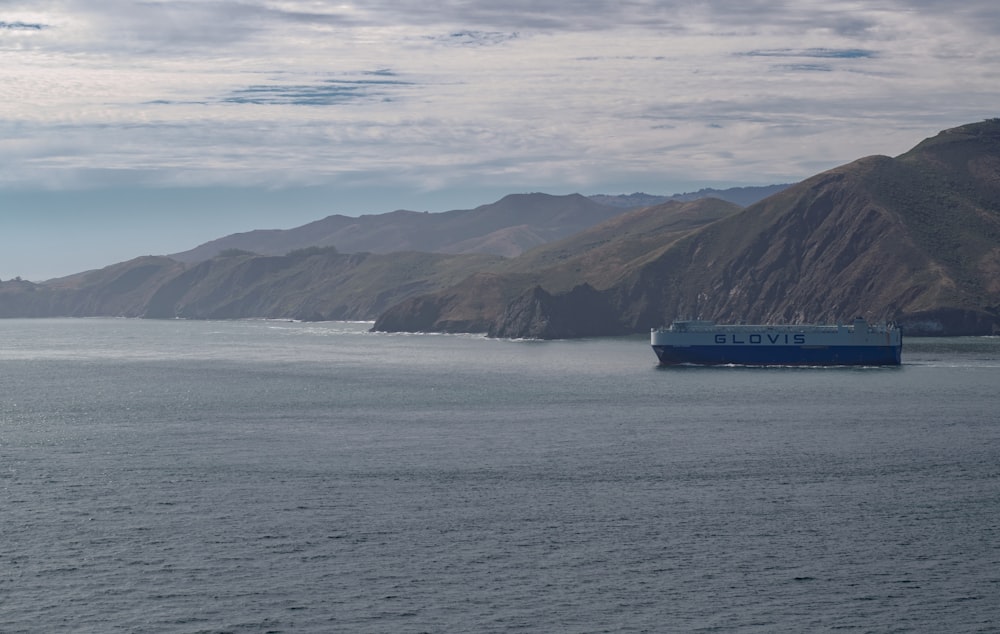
{"points": [[915, 239], [507, 228]]}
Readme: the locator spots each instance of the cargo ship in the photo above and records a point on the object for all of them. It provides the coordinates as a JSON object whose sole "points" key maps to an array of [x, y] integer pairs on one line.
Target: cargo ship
{"points": [[703, 342]]}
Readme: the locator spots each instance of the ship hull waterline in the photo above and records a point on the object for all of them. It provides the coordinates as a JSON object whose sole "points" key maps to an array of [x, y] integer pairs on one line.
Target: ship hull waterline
{"points": [[778, 355]]}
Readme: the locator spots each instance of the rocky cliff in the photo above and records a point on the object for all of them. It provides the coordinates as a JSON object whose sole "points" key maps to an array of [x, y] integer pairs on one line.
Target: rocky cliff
{"points": [[537, 314]]}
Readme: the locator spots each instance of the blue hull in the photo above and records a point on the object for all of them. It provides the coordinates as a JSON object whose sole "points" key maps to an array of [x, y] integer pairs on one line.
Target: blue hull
{"points": [[779, 355]]}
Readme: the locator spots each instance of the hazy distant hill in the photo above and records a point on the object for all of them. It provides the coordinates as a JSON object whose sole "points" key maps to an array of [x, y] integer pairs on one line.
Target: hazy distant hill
{"points": [[271, 274], [915, 239], [507, 227]]}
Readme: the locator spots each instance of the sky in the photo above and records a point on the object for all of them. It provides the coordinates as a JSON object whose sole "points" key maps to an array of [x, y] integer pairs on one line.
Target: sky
{"points": [[132, 128]]}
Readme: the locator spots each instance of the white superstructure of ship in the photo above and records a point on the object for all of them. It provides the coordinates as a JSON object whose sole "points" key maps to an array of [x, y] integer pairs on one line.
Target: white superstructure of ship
{"points": [[708, 343]]}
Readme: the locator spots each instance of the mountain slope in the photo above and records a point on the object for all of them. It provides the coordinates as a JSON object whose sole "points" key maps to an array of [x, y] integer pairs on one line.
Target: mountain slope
{"points": [[312, 284], [119, 290], [309, 284], [821, 251], [914, 239]]}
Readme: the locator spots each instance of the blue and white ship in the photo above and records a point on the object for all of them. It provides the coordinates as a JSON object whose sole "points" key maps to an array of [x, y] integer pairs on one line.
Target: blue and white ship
{"points": [[703, 342]]}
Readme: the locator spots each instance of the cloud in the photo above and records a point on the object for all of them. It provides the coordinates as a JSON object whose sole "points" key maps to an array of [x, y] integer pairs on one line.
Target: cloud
{"points": [[148, 106], [528, 93]]}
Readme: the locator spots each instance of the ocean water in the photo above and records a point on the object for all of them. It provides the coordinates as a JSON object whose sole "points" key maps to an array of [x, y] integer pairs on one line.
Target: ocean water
{"points": [[255, 476]]}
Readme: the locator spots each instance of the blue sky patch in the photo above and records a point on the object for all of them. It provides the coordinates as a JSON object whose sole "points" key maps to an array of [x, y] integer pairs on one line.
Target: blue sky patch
{"points": [[822, 53], [329, 92], [812, 68], [22, 26], [476, 38]]}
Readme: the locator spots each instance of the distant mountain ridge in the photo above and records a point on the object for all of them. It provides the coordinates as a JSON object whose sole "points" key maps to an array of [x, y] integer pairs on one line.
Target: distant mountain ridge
{"points": [[508, 227], [742, 196]]}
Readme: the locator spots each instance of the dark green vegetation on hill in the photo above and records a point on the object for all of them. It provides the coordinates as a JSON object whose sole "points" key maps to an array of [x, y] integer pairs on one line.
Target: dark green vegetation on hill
{"points": [[915, 239]]}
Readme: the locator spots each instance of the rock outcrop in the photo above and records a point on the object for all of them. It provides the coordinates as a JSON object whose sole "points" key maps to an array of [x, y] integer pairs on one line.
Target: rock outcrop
{"points": [[537, 314]]}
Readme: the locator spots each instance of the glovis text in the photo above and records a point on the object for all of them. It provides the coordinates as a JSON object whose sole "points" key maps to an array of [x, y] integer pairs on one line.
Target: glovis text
{"points": [[761, 338]]}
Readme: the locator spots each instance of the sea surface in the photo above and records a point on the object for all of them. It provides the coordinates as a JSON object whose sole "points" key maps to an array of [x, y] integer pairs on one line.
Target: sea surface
{"points": [[260, 476]]}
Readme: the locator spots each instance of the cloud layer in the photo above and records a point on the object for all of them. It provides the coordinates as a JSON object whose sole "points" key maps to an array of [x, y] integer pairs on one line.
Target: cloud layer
{"points": [[530, 94]]}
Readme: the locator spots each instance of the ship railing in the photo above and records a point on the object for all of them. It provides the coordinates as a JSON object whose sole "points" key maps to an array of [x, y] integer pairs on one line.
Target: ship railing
{"points": [[711, 326]]}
